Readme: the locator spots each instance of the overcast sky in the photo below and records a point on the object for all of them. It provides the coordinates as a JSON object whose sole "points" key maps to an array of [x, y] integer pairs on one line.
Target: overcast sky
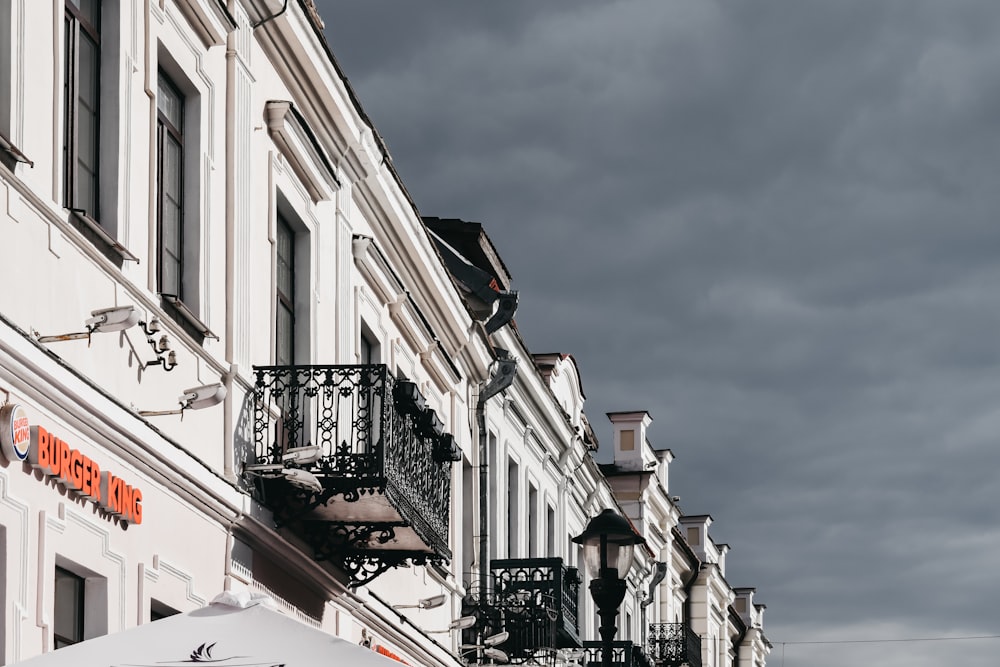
{"points": [[771, 223]]}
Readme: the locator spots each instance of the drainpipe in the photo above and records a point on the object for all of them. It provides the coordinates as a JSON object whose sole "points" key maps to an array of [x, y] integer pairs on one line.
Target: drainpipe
{"points": [[503, 377], [230, 265], [688, 585], [563, 465], [147, 87], [659, 572], [264, 20], [738, 642]]}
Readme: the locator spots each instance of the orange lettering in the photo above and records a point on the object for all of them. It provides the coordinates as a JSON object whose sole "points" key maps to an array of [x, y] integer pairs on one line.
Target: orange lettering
{"points": [[74, 474], [95, 482], [85, 476], [62, 460], [109, 485], [136, 506], [116, 495], [125, 499], [78, 472], [40, 454]]}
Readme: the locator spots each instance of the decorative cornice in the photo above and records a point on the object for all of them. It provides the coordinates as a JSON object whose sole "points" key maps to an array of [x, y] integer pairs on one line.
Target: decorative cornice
{"points": [[209, 19], [301, 150]]}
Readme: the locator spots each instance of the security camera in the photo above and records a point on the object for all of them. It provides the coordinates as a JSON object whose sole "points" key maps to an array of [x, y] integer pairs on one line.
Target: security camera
{"points": [[205, 396]]}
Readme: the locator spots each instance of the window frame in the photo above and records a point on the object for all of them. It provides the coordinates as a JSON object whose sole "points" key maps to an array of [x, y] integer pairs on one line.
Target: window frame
{"points": [[284, 303], [167, 130], [75, 24]]}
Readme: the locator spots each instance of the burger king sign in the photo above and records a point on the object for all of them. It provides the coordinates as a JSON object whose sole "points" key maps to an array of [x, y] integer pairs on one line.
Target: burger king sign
{"points": [[15, 432]]}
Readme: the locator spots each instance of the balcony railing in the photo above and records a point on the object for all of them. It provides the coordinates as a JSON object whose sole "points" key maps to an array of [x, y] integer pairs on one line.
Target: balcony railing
{"points": [[624, 654], [538, 599], [353, 461], [672, 644]]}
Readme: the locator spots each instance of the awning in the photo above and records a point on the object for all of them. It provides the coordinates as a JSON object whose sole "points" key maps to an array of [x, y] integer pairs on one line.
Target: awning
{"points": [[234, 631]]}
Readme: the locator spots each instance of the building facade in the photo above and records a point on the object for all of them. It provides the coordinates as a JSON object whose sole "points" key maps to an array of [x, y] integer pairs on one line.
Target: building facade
{"points": [[234, 355]]}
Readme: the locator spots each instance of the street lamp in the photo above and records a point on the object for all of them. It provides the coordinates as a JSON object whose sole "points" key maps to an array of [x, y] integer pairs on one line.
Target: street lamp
{"points": [[608, 546]]}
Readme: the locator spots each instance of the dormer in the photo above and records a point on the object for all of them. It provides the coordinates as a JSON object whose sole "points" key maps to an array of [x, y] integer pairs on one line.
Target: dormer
{"points": [[632, 449], [722, 550], [695, 532], [744, 606]]}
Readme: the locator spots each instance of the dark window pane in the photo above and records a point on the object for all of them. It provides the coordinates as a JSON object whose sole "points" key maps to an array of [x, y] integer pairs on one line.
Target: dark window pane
{"points": [[68, 608], [88, 67], [285, 332], [69, 106], [285, 325], [367, 350], [170, 103], [170, 238], [170, 187], [81, 85], [91, 11], [173, 164]]}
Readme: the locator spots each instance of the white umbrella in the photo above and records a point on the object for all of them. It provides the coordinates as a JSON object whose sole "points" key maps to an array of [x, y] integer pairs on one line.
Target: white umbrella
{"points": [[234, 631]]}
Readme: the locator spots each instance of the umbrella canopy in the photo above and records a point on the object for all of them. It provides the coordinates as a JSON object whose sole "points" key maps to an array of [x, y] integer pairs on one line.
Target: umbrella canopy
{"points": [[234, 631]]}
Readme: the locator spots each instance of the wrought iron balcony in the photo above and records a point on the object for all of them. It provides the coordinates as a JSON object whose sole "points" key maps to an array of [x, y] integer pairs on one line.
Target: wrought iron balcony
{"points": [[624, 654], [535, 600], [672, 644], [351, 460]]}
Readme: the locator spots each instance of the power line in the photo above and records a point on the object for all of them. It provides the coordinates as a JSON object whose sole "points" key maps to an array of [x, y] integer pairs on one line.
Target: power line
{"points": [[886, 641]]}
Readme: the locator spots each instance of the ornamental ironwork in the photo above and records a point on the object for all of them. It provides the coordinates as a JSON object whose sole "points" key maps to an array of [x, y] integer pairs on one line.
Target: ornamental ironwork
{"points": [[673, 644], [623, 654], [536, 601], [354, 462]]}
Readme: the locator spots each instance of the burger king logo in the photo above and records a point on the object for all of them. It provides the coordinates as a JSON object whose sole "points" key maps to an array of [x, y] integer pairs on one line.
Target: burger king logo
{"points": [[15, 432]]}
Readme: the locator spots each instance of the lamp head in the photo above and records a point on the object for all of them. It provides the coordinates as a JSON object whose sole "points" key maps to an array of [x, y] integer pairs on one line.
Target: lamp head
{"points": [[608, 544], [204, 396], [302, 479], [462, 623], [497, 639], [302, 455], [432, 602], [118, 318], [496, 655]]}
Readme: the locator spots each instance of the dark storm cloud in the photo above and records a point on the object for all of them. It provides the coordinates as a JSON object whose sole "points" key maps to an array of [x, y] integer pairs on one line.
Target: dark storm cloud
{"points": [[771, 223]]}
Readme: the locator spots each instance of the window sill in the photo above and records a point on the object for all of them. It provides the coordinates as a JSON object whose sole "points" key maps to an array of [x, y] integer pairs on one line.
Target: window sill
{"points": [[187, 318], [14, 152], [93, 230]]}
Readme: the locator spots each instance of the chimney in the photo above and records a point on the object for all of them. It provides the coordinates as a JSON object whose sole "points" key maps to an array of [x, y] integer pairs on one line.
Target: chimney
{"points": [[632, 449]]}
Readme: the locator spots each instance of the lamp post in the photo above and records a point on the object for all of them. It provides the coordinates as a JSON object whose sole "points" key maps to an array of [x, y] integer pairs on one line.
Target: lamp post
{"points": [[608, 546]]}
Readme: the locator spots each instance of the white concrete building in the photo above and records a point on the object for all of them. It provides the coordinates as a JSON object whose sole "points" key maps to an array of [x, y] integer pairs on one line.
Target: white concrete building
{"points": [[233, 355]]}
